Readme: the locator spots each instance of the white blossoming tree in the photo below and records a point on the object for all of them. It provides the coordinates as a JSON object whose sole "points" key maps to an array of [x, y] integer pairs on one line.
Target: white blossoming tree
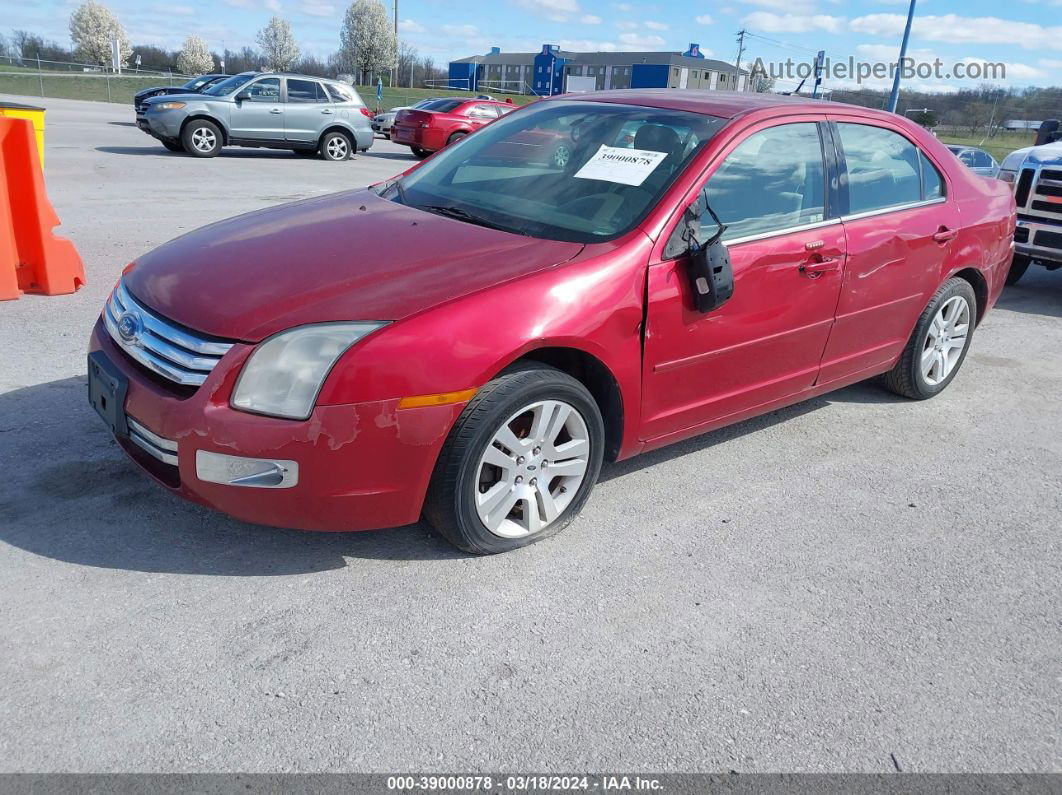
{"points": [[367, 39], [278, 44], [92, 27], [194, 57]]}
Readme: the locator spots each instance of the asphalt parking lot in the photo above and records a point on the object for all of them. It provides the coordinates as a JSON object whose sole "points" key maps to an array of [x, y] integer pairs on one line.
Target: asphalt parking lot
{"points": [[857, 583]]}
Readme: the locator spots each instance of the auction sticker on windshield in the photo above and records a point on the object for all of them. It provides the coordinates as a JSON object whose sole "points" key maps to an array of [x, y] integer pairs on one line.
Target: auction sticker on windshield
{"points": [[624, 166]]}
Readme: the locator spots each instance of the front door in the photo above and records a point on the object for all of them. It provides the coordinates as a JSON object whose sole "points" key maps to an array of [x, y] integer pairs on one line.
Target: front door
{"points": [[787, 250], [260, 117], [307, 111]]}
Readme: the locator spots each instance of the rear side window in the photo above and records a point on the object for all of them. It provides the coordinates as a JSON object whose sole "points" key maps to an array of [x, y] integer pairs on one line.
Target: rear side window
{"points": [[483, 112], [340, 93], [932, 181], [774, 180], [883, 168], [305, 91]]}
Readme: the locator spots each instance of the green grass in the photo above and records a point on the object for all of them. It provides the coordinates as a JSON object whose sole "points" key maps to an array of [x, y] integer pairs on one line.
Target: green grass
{"points": [[396, 97], [999, 146], [91, 87]]}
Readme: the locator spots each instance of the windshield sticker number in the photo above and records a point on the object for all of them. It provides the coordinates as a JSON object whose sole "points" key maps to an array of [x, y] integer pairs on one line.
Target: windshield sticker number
{"points": [[623, 166]]}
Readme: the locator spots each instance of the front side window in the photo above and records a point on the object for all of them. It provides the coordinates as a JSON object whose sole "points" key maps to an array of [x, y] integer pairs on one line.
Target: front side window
{"points": [[883, 169], [267, 90], [773, 180], [229, 85], [577, 171]]}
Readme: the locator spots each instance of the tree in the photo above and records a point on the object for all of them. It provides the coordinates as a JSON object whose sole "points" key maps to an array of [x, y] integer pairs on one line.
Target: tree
{"points": [[278, 45], [367, 40], [194, 57], [92, 27]]}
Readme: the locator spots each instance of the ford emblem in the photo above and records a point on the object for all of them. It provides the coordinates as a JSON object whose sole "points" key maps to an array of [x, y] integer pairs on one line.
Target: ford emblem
{"points": [[129, 327]]}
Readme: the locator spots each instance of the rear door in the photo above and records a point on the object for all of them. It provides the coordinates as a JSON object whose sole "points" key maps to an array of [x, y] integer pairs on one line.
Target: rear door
{"points": [[787, 251], [260, 117], [307, 111], [900, 228]]}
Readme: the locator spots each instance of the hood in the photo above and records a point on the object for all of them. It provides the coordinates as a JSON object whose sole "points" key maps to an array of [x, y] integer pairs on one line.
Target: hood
{"points": [[345, 256], [1046, 154], [185, 94], [144, 91]]}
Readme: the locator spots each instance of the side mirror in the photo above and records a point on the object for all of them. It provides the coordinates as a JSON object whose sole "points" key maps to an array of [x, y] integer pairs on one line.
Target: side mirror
{"points": [[243, 96], [708, 266], [711, 276]]}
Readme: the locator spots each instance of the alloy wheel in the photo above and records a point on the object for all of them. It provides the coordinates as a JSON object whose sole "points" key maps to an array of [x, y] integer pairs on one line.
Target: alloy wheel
{"points": [[945, 340], [532, 469], [204, 139], [337, 147]]}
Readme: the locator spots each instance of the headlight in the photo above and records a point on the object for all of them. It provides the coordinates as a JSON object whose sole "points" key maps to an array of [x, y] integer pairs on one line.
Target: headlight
{"points": [[1007, 176], [285, 373], [168, 105]]}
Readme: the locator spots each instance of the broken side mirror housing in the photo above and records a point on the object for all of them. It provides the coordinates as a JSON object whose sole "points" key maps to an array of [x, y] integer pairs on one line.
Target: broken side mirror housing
{"points": [[711, 276]]}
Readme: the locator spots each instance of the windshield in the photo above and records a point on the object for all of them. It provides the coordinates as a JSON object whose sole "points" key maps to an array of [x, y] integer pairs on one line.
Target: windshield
{"points": [[228, 86], [198, 82], [576, 171]]}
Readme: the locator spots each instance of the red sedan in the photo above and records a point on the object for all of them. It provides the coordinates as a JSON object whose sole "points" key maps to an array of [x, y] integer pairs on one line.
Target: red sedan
{"points": [[470, 341], [437, 124]]}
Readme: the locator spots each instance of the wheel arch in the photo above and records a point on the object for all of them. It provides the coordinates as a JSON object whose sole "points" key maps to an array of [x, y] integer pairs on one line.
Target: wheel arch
{"points": [[213, 120], [980, 288], [339, 128], [595, 375]]}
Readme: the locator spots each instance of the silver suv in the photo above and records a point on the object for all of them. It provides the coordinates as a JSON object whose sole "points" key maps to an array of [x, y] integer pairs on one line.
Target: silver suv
{"points": [[309, 115]]}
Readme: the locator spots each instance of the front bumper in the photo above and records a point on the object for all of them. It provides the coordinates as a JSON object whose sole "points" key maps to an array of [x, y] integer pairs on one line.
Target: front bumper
{"points": [[356, 467], [164, 124], [1039, 238]]}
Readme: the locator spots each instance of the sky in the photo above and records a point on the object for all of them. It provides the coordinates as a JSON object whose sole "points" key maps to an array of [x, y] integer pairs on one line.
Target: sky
{"points": [[1026, 35]]}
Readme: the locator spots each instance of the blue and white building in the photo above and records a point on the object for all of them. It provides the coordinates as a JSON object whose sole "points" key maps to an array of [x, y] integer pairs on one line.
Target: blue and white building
{"points": [[555, 71]]}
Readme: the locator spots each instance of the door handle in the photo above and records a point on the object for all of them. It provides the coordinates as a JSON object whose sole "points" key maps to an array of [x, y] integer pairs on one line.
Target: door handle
{"points": [[327, 110], [944, 234], [816, 267], [276, 110]]}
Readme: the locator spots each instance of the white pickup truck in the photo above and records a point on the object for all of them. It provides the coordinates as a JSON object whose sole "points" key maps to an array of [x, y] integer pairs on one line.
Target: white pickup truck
{"points": [[1036, 174]]}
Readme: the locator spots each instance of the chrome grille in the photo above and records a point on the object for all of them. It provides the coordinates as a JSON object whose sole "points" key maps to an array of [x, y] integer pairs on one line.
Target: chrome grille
{"points": [[167, 349], [165, 450]]}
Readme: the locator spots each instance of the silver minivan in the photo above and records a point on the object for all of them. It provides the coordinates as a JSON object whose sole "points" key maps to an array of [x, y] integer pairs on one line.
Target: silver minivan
{"points": [[309, 115]]}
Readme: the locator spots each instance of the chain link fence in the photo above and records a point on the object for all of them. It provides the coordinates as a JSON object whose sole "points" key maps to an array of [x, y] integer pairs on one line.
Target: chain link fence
{"points": [[30, 77]]}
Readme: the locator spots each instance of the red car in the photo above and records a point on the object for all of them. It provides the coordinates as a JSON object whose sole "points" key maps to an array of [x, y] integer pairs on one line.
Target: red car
{"points": [[432, 126], [470, 341]]}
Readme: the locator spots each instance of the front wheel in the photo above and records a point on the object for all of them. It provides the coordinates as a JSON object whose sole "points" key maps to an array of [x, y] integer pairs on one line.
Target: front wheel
{"points": [[520, 462], [1018, 266], [201, 138], [173, 146], [336, 146], [938, 346]]}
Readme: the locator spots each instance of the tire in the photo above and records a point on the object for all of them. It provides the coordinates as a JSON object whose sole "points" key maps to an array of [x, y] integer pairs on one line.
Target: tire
{"points": [[457, 136], [418, 152], [511, 405], [1018, 266], [306, 152], [174, 146], [933, 342], [336, 147], [201, 138]]}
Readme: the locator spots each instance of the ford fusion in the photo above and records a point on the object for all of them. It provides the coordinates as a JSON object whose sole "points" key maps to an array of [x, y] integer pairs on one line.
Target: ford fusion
{"points": [[468, 342]]}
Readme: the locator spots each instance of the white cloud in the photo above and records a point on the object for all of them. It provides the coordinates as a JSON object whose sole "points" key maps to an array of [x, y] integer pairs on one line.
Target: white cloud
{"points": [[654, 25], [591, 19], [623, 6], [766, 22], [239, 3], [627, 25], [638, 42], [184, 11], [273, 5], [587, 45], [410, 26], [954, 29], [704, 19], [462, 31], [1050, 63], [788, 6], [317, 9]]}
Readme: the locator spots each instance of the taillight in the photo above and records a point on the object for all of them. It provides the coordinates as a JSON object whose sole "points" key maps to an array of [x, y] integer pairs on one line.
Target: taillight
{"points": [[365, 111]]}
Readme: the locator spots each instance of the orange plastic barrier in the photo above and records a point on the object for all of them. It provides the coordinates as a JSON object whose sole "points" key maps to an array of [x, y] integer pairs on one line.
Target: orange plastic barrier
{"points": [[32, 259]]}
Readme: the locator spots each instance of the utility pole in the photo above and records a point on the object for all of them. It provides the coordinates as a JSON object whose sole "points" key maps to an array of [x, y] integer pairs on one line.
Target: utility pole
{"points": [[894, 97], [741, 48], [394, 72]]}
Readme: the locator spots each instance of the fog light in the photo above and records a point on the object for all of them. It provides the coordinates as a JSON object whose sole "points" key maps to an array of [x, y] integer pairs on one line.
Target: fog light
{"points": [[258, 473]]}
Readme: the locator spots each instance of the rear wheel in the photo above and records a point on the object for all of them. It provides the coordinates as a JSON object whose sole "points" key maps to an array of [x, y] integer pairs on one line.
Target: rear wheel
{"points": [[201, 138], [173, 146], [1018, 266], [519, 463], [336, 146], [561, 155], [457, 136], [938, 346], [418, 152]]}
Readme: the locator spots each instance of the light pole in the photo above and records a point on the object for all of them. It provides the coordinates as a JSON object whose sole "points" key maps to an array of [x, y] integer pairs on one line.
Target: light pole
{"points": [[895, 96]]}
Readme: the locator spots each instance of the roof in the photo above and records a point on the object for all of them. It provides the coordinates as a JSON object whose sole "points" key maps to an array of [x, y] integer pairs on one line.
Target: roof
{"points": [[723, 104], [607, 59]]}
